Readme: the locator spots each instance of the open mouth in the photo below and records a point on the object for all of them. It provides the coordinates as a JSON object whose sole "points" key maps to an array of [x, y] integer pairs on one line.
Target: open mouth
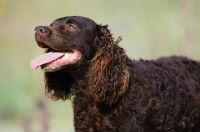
{"points": [[55, 59]]}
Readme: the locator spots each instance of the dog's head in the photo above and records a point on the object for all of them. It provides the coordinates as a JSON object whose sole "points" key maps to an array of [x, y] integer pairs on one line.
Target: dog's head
{"points": [[80, 51], [69, 41]]}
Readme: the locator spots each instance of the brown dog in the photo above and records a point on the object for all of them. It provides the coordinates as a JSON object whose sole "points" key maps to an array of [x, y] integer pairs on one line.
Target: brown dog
{"points": [[113, 93]]}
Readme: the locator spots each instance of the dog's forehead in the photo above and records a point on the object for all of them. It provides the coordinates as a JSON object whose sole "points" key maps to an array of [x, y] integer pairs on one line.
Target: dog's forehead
{"points": [[79, 19], [59, 20]]}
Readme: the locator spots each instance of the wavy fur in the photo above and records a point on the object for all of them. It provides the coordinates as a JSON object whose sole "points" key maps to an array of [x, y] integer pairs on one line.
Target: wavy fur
{"points": [[113, 93], [58, 85], [108, 73]]}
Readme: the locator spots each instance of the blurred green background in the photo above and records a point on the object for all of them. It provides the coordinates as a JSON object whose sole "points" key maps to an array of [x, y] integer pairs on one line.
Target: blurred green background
{"points": [[149, 28]]}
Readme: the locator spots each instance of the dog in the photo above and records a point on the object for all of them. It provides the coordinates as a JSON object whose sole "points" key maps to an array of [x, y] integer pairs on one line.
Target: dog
{"points": [[110, 91]]}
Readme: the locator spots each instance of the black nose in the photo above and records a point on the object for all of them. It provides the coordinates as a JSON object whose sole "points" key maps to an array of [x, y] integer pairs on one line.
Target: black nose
{"points": [[41, 30]]}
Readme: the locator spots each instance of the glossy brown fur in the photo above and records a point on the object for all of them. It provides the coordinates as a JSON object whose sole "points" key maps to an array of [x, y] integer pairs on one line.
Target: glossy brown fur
{"points": [[113, 93]]}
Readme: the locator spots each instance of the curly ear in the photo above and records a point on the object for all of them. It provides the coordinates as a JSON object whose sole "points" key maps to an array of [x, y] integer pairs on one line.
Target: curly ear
{"points": [[58, 85], [108, 72]]}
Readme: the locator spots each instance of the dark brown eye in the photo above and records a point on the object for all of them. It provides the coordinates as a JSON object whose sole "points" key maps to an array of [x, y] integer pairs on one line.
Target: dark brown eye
{"points": [[70, 27]]}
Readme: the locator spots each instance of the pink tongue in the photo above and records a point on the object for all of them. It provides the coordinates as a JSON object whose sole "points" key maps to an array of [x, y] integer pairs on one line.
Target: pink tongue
{"points": [[45, 58]]}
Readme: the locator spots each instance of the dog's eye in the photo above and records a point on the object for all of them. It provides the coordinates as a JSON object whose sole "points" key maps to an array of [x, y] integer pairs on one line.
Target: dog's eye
{"points": [[70, 27]]}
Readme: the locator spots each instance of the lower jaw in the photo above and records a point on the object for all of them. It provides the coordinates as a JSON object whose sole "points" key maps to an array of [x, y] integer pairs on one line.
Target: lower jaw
{"points": [[48, 68], [53, 68]]}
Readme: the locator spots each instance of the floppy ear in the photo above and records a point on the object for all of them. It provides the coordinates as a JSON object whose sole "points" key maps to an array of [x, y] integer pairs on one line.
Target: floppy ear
{"points": [[108, 72], [58, 85]]}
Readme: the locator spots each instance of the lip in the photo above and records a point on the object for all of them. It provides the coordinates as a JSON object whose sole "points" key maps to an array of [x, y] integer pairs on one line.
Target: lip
{"points": [[71, 57], [42, 45]]}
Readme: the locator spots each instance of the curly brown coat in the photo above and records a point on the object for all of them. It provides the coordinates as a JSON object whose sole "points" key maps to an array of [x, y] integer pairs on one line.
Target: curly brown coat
{"points": [[112, 92]]}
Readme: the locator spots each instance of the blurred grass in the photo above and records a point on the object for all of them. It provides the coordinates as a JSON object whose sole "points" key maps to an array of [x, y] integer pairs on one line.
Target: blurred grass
{"points": [[149, 29]]}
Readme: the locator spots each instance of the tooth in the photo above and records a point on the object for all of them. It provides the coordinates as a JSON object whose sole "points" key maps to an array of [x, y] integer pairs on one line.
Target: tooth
{"points": [[67, 55]]}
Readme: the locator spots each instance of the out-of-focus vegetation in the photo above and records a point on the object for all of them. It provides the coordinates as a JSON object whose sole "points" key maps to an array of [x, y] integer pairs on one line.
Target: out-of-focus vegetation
{"points": [[149, 28]]}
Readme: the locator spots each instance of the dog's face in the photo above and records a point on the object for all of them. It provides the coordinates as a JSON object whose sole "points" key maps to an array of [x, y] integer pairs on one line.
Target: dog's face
{"points": [[69, 41]]}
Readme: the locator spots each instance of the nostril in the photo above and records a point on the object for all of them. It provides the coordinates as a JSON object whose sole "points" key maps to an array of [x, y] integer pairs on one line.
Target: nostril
{"points": [[41, 29]]}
